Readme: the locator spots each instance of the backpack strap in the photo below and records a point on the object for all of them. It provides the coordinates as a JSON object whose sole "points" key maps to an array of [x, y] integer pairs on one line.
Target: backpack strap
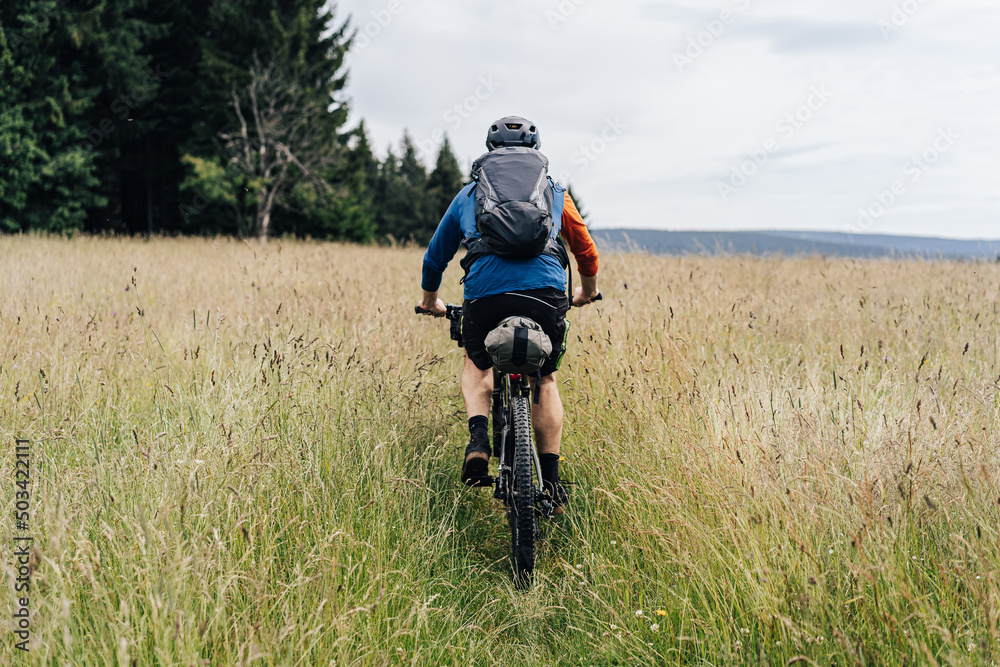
{"points": [[520, 352], [476, 248], [564, 260]]}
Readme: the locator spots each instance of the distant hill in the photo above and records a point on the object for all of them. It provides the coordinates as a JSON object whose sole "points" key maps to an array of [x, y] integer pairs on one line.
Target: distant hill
{"points": [[793, 243]]}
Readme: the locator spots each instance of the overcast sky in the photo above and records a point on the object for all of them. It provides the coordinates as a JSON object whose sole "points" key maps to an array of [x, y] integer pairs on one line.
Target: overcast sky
{"points": [[875, 116]]}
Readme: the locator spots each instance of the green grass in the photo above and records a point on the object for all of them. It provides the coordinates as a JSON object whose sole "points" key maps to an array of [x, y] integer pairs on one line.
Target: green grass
{"points": [[251, 455]]}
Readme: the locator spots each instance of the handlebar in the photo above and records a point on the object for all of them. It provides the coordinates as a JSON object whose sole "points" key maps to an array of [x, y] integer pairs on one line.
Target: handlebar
{"points": [[453, 313]]}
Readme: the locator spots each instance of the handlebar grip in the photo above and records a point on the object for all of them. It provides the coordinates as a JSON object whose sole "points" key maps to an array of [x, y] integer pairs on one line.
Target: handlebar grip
{"points": [[417, 310], [596, 298]]}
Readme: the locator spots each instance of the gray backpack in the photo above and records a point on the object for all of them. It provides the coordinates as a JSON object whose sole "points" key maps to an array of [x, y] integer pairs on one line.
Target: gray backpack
{"points": [[513, 202], [513, 208], [518, 345]]}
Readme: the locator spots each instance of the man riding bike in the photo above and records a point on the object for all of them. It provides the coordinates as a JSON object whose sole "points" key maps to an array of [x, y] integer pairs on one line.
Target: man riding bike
{"points": [[500, 287]]}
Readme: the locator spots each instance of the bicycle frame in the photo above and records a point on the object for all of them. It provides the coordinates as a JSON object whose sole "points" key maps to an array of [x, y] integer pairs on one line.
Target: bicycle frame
{"points": [[519, 483], [505, 387]]}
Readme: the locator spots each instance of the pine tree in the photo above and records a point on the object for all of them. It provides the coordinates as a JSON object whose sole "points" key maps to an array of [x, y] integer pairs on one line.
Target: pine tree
{"points": [[288, 57], [417, 225], [402, 202], [360, 173], [298, 35], [48, 177], [149, 170], [124, 123], [443, 184], [113, 116], [344, 211], [362, 157], [391, 205]]}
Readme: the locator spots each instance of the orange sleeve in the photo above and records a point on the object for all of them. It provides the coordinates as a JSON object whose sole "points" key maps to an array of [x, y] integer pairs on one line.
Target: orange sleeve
{"points": [[578, 238]]}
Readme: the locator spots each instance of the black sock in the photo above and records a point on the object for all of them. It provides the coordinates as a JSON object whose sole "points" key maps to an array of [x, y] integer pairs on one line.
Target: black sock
{"points": [[550, 467], [479, 429]]}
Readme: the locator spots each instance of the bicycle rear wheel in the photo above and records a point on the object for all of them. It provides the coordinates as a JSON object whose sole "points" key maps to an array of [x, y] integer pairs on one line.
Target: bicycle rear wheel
{"points": [[521, 509]]}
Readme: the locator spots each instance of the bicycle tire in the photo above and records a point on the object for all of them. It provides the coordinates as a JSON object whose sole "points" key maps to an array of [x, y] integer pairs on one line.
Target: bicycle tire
{"points": [[521, 510]]}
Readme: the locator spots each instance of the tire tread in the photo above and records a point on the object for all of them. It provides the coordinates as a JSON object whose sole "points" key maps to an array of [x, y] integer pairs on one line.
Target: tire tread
{"points": [[523, 519]]}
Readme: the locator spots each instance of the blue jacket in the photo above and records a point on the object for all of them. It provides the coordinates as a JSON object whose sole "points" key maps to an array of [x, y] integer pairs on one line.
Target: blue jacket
{"points": [[490, 274]]}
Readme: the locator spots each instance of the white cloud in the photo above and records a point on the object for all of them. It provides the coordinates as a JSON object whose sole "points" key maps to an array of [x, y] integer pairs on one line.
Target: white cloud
{"points": [[687, 129]]}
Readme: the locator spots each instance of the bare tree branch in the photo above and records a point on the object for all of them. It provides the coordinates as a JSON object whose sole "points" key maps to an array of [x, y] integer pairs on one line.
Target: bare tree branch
{"points": [[281, 141]]}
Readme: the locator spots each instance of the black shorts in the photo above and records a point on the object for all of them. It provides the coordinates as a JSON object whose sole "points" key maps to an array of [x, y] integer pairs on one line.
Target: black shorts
{"points": [[546, 306]]}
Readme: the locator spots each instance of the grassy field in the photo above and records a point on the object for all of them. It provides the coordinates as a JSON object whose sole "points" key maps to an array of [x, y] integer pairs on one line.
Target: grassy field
{"points": [[249, 454]]}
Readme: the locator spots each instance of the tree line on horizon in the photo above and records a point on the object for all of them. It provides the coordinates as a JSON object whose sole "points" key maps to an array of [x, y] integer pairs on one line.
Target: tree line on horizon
{"points": [[219, 117]]}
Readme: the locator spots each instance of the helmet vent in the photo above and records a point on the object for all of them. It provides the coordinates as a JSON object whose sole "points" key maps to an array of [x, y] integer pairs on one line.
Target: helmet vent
{"points": [[513, 131]]}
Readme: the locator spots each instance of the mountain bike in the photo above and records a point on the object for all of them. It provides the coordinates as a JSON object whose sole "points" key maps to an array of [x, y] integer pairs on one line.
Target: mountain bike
{"points": [[518, 483]]}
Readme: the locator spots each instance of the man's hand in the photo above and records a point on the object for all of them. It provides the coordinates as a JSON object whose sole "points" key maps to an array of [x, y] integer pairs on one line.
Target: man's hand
{"points": [[582, 299], [432, 305], [587, 292]]}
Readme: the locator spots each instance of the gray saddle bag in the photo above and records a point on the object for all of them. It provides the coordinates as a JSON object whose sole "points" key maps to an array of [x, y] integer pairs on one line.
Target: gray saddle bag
{"points": [[518, 345]]}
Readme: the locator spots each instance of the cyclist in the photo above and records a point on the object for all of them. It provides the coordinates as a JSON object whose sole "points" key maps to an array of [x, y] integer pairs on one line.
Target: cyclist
{"points": [[497, 288]]}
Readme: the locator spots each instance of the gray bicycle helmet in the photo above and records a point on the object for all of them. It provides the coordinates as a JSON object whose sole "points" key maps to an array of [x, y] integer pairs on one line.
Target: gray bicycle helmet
{"points": [[513, 131]]}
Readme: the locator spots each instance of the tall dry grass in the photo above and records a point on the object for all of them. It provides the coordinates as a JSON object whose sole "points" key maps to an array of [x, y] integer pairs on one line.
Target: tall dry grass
{"points": [[250, 455]]}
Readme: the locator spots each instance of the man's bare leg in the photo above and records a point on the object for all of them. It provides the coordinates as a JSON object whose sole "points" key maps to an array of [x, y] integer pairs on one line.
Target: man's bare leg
{"points": [[547, 416], [477, 389]]}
